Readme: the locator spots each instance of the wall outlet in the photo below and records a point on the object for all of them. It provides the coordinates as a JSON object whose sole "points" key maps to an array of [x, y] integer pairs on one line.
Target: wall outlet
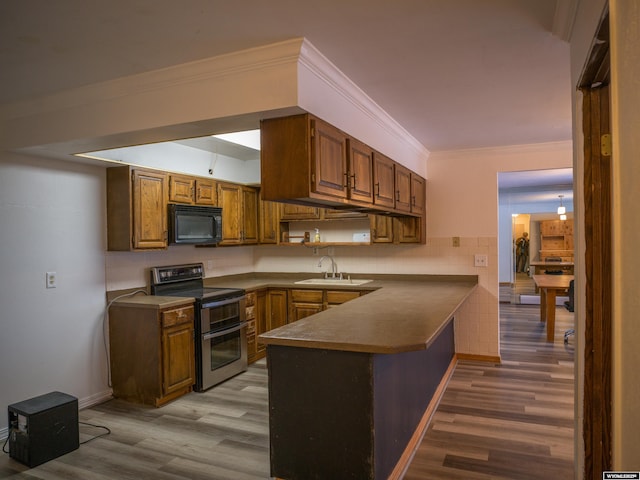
{"points": [[51, 280], [480, 260], [455, 241]]}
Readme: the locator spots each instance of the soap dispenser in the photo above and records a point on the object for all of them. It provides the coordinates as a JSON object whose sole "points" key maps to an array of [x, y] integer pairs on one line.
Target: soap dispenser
{"points": [[316, 238]]}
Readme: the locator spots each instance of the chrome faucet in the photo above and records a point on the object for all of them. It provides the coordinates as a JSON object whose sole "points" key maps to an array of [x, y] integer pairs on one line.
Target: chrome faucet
{"points": [[333, 266]]}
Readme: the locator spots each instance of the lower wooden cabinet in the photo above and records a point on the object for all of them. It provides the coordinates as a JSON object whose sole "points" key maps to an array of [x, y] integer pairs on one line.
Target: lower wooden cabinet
{"points": [[303, 303], [152, 356], [276, 308]]}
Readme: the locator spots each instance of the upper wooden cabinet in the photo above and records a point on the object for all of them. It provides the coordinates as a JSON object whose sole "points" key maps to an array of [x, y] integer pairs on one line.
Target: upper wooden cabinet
{"points": [[192, 190], [384, 191], [360, 171], [268, 222], [305, 160], [136, 209], [418, 194], [239, 214]]}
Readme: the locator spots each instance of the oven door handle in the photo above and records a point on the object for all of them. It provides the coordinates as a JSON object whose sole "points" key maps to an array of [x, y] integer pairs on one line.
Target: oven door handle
{"points": [[209, 336], [214, 304]]}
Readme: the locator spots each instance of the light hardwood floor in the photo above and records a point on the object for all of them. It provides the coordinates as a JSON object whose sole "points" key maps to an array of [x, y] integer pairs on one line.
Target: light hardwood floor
{"points": [[508, 421]]}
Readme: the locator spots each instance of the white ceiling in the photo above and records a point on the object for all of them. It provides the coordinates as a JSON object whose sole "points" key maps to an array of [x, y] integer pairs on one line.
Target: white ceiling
{"points": [[454, 73]]}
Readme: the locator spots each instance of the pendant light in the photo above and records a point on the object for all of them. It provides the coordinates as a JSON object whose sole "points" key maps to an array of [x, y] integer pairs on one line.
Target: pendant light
{"points": [[561, 209]]}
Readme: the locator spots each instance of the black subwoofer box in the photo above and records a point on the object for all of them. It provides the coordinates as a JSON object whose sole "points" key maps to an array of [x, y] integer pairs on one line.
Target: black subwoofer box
{"points": [[43, 428]]}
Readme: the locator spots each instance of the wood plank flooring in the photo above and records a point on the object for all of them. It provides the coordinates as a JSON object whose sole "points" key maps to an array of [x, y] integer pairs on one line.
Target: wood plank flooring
{"points": [[509, 421]]}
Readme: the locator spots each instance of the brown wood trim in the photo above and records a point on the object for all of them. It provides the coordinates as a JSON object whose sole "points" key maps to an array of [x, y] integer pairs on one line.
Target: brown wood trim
{"points": [[406, 457], [479, 358]]}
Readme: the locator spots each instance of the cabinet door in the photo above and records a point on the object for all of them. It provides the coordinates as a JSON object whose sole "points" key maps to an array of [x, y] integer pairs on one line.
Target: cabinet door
{"points": [[230, 199], [249, 231], [418, 194], [178, 357], [383, 180], [261, 320], [181, 189], [205, 192], [328, 160], [276, 308], [149, 209], [338, 297], [301, 310], [381, 228], [360, 180], [330, 214], [403, 188], [289, 211], [268, 223], [407, 229]]}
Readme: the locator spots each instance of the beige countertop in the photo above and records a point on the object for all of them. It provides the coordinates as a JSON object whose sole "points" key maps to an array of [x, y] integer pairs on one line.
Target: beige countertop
{"points": [[401, 313], [153, 301]]}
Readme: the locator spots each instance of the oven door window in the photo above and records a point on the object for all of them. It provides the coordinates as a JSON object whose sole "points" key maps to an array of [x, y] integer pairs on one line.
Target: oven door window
{"points": [[220, 316], [225, 347]]}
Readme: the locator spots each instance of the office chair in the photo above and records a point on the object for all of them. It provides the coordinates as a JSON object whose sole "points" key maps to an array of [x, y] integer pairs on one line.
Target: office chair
{"points": [[569, 306]]}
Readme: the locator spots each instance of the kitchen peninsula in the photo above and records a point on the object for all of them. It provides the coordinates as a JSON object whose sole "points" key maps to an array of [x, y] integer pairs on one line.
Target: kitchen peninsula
{"points": [[350, 388]]}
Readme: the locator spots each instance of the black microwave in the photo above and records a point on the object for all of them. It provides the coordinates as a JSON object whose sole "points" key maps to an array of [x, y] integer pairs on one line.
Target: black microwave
{"points": [[195, 225]]}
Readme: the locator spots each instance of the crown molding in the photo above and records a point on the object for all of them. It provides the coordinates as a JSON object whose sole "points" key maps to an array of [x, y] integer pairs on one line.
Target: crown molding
{"points": [[325, 71]]}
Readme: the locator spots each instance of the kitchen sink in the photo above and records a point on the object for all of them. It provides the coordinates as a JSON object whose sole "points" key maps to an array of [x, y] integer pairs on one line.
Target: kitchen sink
{"points": [[333, 281]]}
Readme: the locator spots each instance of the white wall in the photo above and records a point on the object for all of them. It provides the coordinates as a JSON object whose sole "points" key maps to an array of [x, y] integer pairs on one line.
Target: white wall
{"points": [[51, 219]]}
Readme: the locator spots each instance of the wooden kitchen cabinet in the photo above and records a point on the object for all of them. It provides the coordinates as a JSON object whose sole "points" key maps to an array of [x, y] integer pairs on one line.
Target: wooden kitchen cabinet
{"points": [[192, 190], [306, 159], [239, 214], [152, 354], [269, 222], [304, 302], [403, 188], [418, 194], [384, 182], [397, 230], [136, 209], [276, 308], [292, 212], [381, 228], [334, 298], [262, 317], [556, 239]]}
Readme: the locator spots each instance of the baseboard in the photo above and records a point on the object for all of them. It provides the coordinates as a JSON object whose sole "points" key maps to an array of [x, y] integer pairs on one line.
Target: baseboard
{"points": [[479, 358], [410, 450], [95, 399]]}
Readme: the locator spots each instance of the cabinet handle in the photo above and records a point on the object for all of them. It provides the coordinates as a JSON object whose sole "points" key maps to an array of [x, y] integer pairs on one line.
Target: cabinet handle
{"points": [[346, 180], [397, 195], [413, 200], [377, 189], [353, 184], [374, 232]]}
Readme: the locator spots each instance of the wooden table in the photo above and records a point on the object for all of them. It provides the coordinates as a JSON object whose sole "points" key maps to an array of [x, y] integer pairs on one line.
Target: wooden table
{"points": [[550, 286]]}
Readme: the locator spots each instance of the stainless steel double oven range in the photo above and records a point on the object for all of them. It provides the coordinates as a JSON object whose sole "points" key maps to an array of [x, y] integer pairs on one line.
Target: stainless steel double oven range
{"points": [[220, 322]]}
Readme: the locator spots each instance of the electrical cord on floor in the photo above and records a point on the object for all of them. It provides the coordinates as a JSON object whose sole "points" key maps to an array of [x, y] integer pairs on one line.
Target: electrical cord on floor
{"points": [[5, 442], [105, 320], [107, 431]]}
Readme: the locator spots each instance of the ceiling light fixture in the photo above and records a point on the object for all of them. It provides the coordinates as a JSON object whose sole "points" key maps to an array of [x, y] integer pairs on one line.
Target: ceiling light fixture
{"points": [[561, 209]]}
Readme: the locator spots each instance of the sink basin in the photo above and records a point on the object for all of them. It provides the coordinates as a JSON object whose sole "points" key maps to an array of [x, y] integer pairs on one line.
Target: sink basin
{"points": [[333, 281]]}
